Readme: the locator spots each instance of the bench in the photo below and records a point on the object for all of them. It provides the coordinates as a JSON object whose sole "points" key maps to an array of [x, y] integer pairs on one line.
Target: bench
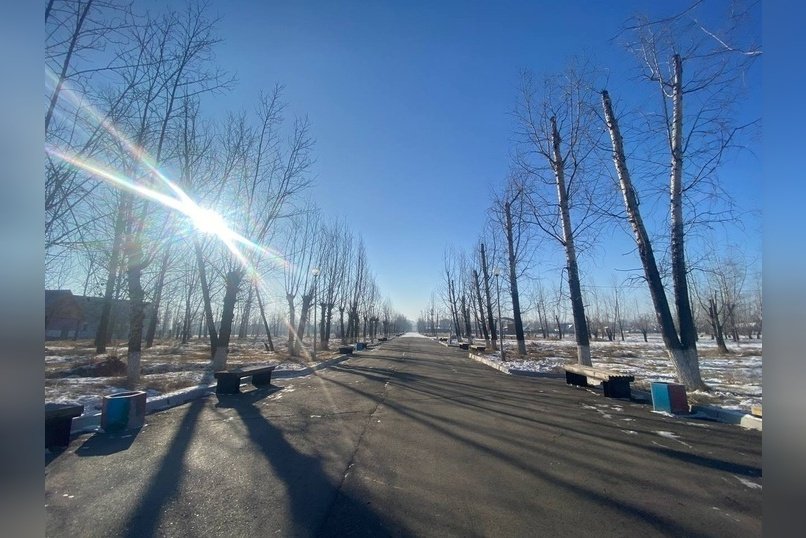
{"points": [[464, 345], [229, 381], [615, 385], [478, 348], [346, 350], [382, 339], [58, 421]]}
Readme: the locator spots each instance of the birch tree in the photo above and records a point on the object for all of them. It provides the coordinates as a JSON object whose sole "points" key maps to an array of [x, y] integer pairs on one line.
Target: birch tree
{"points": [[697, 138], [556, 140]]}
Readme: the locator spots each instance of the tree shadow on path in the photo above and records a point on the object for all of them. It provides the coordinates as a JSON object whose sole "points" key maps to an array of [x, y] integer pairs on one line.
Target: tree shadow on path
{"points": [[312, 494], [164, 484]]}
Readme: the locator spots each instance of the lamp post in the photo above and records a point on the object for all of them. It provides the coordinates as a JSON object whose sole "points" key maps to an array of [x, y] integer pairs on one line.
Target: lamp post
{"points": [[315, 273], [497, 273]]}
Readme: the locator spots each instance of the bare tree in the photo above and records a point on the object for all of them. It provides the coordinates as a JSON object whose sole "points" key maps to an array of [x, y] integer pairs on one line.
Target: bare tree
{"points": [[509, 212], [300, 251], [556, 140], [485, 271], [698, 136]]}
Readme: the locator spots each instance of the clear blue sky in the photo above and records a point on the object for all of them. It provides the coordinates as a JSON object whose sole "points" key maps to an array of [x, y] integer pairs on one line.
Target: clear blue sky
{"points": [[410, 105]]}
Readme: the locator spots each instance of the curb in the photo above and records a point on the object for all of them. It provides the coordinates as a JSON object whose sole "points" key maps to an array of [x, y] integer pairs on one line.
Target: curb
{"points": [[92, 422], [727, 416]]}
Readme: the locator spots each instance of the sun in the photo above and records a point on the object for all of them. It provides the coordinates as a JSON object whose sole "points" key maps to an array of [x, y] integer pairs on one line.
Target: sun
{"points": [[209, 221]]}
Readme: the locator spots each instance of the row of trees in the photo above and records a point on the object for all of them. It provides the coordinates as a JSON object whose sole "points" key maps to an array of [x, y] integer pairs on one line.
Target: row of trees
{"points": [[577, 167], [189, 202]]}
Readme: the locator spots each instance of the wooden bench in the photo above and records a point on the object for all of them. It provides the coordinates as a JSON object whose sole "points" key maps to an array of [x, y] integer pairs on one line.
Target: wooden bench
{"points": [[615, 385], [382, 339], [464, 345], [58, 421], [346, 350], [229, 381], [478, 348]]}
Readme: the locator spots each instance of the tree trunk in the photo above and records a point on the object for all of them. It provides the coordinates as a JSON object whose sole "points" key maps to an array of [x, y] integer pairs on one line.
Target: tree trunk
{"points": [[490, 321], [574, 288], [559, 327], [246, 314], [103, 332], [341, 326], [689, 374], [134, 272], [685, 318], [466, 316], [292, 346], [208, 306], [152, 324], [513, 282], [481, 308], [716, 325], [303, 321], [263, 317], [328, 325], [232, 285]]}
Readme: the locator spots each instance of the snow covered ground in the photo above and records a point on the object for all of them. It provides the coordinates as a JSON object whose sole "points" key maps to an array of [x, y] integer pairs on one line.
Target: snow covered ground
{"points": [[734, 379], [166, 368]]}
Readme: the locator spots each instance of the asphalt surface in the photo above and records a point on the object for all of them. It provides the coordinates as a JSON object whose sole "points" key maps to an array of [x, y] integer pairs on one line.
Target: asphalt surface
{"points": [[410, 439]]}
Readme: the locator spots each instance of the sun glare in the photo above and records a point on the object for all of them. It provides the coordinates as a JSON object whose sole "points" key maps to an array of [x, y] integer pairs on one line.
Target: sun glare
{"points": [[209, 221]]}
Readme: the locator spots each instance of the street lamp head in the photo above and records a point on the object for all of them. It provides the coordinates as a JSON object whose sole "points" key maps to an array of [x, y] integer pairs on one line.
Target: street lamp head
{"points": [[497, 271], [315, 271]]}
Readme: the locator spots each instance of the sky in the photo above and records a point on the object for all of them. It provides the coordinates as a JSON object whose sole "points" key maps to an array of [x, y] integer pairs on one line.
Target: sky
{"points": [[410, 104]]}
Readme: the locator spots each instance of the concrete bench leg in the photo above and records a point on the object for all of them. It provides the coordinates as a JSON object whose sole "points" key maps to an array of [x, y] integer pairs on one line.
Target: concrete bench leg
{"points": [[617, 388], [57, 431], [229, 384], [261, 380], [575, 379]]}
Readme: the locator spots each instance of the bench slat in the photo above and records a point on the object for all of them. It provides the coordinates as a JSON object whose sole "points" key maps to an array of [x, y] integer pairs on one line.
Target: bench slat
{"points": [[596, 373]]}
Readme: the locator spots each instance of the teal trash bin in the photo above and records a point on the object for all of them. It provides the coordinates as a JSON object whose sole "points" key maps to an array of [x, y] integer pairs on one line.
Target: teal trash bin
{"points": [[360, 346], [123, 411], [669, 398]]}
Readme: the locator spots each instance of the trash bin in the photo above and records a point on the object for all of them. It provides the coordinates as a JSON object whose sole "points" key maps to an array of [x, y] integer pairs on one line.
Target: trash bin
{"points": [[123, 411], [360, 346], [669, 398]]}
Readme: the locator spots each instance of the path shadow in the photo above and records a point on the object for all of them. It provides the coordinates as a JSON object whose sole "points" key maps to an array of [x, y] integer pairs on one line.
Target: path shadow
{"points": [[712, 463], [164, 484], [104, 444], [230, 401], [318, 504]]}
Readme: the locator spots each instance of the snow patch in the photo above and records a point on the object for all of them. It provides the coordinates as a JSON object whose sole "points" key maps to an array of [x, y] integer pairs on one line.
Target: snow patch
{"points": [[748, 483]]}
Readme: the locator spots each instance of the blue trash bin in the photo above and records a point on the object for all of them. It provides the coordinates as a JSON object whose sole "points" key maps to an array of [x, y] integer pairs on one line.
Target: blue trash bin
{"points": [[123, 411], [669, 398]]}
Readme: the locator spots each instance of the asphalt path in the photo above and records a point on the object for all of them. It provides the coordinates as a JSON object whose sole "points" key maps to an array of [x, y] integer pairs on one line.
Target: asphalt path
{"points": [[410, 439]]}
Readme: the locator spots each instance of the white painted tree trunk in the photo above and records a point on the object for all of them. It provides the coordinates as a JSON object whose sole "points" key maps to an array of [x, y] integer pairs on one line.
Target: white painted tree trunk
{"points": [[132, 369], [220, 358]]}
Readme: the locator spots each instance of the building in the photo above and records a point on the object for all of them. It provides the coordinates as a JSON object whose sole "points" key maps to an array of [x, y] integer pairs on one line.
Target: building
{"points": [[78, 317]]}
